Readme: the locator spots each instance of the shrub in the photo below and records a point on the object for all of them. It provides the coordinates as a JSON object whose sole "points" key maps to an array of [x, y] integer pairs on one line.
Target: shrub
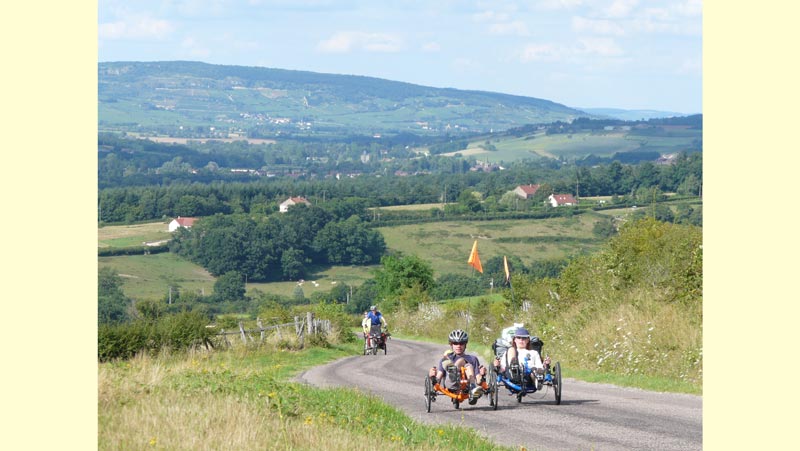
{"points": [[181, 331]]}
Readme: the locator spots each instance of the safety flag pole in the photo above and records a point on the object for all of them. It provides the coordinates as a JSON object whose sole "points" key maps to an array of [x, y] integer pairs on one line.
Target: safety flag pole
{"points": [[508, 277]]}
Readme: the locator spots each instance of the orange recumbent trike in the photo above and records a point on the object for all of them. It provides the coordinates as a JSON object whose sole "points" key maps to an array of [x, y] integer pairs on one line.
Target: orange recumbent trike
{"points": [[458, 394]]}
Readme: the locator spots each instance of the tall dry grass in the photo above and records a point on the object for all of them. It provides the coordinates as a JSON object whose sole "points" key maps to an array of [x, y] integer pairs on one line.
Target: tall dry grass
{"points": [[240, 400]]}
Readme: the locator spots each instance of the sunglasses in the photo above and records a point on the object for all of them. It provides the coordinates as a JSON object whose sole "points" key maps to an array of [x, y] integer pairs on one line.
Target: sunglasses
{"points": [[458, 343], [523, 338]]}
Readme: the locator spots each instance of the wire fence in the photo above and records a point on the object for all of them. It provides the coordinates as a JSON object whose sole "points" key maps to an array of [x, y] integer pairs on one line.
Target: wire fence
{"points": [[300, 328]]}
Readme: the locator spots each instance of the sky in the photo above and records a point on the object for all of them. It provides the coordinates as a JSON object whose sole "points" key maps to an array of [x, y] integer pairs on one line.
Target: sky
{"points": [[626, 54]]}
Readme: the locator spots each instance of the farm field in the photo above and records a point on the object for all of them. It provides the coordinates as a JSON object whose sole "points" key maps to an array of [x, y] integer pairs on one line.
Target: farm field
{"points": [[576, 145], [131, 235], [446, 245], [150, 276]]}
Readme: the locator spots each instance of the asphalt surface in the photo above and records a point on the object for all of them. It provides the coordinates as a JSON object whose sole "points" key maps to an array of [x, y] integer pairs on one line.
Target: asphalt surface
{"points": [[590, 416]]}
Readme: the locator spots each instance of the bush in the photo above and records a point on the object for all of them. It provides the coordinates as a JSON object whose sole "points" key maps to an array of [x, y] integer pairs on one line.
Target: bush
{"points": [[181, 331]]}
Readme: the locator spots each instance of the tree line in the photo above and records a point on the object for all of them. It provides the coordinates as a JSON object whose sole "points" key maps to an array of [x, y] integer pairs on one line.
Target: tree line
{"points": [[262, 196]]}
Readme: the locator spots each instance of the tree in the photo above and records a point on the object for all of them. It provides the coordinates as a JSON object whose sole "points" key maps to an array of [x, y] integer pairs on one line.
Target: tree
{"points": [[403, 272], [293, 264], [349, 242], [450, 286], [297, 295], [603, 228], [112, 305], [469, 200], [363, 296], [229, 287]]}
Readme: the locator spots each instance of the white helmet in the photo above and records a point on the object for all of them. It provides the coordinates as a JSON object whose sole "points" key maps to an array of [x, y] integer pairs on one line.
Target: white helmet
{"points": [[458, 336]]}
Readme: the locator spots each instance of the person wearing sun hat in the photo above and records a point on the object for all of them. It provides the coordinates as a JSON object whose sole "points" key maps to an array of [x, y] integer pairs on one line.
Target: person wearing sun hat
{"points": [[521, 351]]}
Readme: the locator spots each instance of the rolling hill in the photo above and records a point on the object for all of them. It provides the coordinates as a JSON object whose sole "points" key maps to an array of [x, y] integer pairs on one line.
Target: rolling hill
{"points": [[193, 99]]}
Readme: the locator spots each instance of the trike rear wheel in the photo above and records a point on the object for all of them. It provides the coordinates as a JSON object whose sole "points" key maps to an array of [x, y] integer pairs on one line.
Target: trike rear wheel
{"points": [[557, 382], [428, 393]]}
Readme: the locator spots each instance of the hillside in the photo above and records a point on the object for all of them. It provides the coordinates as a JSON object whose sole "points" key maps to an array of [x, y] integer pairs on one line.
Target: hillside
{"points": [[194, 99]]}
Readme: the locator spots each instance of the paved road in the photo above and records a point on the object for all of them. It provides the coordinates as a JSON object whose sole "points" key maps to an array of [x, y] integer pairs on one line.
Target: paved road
{"points": [[590, 417]]}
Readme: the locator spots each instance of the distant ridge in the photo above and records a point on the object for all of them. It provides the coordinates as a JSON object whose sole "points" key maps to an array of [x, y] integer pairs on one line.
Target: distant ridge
{"points": [[631, 115], [172, 96]]}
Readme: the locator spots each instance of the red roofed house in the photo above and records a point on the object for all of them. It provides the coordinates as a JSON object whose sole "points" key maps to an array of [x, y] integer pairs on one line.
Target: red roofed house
{"points": [[526, 191], [181, 222], [559, 200], [284, 207]]}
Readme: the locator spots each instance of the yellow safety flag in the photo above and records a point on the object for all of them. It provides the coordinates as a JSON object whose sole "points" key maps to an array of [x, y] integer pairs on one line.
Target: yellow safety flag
{"points": [[505, 266]]}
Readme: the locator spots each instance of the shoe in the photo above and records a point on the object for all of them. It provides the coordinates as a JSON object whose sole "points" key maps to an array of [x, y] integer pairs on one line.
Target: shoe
{"points": [[514, 371], [475, 392]]}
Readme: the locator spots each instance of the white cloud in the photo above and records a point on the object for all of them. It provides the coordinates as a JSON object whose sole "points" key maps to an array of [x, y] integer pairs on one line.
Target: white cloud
{"points": [[135, 27], [559, 4], [586, 47], [516, 27], [691, 67], [193, 48], [347, 41], [621, 8], [541, 52], [431, 47], [608, 27], [599, 46], [689, 8]]}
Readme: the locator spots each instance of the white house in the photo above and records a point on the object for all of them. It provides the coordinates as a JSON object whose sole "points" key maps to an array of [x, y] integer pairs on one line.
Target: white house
{"points": [[560, 200], [284, 207], [181, 222], [526, 191]]}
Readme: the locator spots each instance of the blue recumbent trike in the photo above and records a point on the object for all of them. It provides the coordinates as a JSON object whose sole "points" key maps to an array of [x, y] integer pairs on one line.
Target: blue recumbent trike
{"points": [[522, 380]]}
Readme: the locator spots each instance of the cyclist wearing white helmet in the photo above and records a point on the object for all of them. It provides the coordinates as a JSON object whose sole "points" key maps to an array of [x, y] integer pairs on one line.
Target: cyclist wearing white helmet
{"points": [[455, 358]]}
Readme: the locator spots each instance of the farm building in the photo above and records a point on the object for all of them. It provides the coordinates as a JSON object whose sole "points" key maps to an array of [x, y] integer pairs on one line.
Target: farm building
{"points": [[284, 207], [560, 200], [181, 222], [526, 191]]}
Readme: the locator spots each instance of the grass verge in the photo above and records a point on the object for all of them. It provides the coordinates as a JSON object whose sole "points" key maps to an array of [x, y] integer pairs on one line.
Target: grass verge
{"points": [[242, 399]]}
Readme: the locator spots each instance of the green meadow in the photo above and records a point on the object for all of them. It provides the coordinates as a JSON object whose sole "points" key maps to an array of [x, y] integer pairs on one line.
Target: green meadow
{"points": [[445, 245], [576, 145]]}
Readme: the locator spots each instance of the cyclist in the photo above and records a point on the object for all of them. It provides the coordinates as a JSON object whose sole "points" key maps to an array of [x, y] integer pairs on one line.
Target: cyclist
{"points": [[453, 360], [522, 350], [365, 322], [376, 320]]}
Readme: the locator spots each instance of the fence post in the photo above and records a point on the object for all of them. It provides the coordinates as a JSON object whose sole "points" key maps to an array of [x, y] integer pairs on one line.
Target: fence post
{"points": [[225, 336], [310, 322], [260, 326], [298, 326], [241, 329]]}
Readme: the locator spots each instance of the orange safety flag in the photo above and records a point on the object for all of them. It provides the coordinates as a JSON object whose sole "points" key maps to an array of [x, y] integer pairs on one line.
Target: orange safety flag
{"points": [[474, 259], [505, 265]]}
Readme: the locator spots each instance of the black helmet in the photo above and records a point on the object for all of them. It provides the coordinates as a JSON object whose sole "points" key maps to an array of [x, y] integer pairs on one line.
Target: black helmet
{"points": [[458, 336]]}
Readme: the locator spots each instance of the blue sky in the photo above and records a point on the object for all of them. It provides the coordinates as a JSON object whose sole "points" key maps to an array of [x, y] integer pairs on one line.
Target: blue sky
{"points": [[626, 54]]}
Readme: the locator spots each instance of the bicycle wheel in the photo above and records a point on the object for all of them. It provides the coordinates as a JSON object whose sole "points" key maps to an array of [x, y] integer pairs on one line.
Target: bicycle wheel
{"points": [[428, 393], [374, 348], [557, 383]]}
